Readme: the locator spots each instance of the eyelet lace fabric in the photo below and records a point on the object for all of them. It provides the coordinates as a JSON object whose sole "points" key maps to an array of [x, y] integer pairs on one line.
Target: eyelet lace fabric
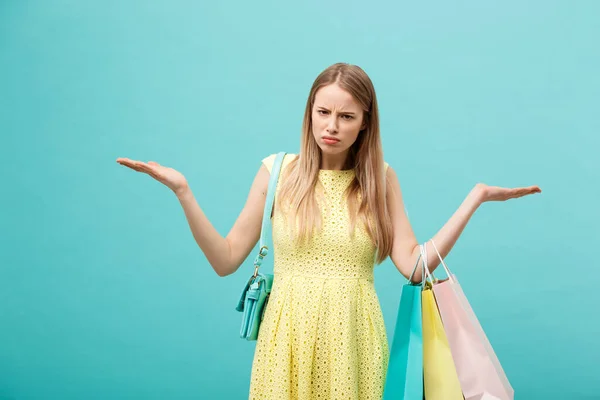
{"points": [[323, 334]]}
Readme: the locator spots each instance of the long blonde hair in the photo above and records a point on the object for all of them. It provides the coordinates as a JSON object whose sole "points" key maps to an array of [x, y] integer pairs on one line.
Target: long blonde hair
{"points": [[366, 194]]}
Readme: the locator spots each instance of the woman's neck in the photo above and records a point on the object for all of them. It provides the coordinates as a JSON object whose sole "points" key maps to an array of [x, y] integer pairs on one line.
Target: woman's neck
{"points": [[335, 162]]}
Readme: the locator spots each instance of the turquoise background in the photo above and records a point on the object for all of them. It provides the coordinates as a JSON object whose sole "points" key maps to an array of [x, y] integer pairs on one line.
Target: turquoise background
{"points": [[103, 291]]}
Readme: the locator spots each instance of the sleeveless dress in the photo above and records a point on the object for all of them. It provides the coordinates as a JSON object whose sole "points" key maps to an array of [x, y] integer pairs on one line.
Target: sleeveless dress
{"points": [[323, 334]]}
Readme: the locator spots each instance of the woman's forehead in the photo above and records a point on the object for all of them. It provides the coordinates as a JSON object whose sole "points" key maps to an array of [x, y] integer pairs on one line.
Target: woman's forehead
{"points": [[333, 96]]}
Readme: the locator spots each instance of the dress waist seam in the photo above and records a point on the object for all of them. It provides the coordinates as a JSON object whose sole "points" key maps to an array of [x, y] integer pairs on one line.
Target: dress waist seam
{"points": [[326, 277]]}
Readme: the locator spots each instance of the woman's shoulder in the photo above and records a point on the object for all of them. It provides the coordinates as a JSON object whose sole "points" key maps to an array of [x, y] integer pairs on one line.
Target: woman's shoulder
{"points": [[270, 160]]}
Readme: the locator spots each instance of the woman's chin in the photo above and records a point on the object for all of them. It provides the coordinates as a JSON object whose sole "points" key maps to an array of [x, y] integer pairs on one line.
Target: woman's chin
{"points": [[327, 149]]}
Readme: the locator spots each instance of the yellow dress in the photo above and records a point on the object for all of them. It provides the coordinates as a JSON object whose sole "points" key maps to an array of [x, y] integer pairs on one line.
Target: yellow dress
{"points": [[323, 334]]}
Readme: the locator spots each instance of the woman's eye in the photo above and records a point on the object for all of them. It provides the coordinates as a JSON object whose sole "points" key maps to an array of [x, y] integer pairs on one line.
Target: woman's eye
{"points": [[322, 112], [347, 117]]}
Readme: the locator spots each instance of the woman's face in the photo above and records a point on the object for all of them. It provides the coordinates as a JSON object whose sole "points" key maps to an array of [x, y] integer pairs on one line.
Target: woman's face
{"points": [[337, 119]]}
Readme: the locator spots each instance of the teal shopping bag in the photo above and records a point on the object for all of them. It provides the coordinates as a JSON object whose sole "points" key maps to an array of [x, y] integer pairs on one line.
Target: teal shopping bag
{"points": [[404, 378]]}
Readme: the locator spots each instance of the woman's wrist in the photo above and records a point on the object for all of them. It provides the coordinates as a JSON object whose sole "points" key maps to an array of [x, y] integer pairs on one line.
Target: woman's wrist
{"points": [[183, 192]]}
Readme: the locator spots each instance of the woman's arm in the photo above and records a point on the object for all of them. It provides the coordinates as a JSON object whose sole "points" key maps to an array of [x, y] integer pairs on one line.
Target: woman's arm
{"points": [[225, 255], [405, 251]]}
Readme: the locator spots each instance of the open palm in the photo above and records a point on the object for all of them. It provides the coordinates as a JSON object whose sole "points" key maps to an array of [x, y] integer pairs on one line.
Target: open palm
{"points": [[496, 193], [170, 177]]}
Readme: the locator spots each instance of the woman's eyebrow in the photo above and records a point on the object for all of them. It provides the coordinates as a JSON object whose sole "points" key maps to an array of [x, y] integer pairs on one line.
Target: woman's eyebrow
{"points": [[341, 112]]}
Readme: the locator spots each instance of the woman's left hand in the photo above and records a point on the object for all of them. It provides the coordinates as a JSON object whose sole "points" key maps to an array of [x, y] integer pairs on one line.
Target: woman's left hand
{"points": [[496, 193]]}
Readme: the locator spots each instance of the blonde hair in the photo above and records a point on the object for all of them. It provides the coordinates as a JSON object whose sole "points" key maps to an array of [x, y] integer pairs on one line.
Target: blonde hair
{"points": [[365, 195]]}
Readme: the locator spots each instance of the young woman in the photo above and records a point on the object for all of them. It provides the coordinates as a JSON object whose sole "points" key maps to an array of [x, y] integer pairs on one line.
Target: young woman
{"points": [[338, 212]]}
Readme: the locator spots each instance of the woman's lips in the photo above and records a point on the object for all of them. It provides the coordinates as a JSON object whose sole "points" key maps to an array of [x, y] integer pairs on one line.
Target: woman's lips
{"points": [[330, 140]]}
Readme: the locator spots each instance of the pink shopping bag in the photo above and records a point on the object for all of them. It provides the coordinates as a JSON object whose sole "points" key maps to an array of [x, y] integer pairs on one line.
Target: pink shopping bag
{"points": [[479, 371]]}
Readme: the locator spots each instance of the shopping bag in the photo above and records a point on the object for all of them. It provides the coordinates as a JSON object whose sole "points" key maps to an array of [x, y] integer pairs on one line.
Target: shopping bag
{"points": [[480, 374], [439, 372], [404, 379]]}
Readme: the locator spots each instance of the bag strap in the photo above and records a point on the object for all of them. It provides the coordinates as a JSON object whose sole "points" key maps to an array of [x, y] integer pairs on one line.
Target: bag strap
{"points": [[415, 270], [446, 269], [423, 249], [266, 220]]}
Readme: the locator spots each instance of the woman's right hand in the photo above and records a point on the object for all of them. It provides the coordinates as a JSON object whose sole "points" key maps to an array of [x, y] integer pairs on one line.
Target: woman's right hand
{"points": [[173, 179]]}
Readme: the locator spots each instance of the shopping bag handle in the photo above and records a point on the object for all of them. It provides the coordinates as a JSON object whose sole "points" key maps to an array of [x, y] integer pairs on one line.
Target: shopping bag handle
{"points": [[446, 269], [415, 269], [423, 249]]}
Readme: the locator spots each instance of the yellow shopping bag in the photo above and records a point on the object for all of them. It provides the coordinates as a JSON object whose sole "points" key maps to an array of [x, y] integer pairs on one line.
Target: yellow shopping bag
{"points": [[439, 373]]}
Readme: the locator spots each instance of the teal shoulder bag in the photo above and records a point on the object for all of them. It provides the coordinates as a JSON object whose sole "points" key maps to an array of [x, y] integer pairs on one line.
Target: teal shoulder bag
{"points": [[255, 295]]}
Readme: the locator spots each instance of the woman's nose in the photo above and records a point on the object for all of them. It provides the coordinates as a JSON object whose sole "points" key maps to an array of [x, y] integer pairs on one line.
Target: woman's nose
{"points": [[332, 125]]}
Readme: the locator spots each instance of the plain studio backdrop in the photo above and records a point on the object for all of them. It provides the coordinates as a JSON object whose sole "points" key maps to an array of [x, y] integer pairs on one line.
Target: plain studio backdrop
{"points": [[103, 291]]}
